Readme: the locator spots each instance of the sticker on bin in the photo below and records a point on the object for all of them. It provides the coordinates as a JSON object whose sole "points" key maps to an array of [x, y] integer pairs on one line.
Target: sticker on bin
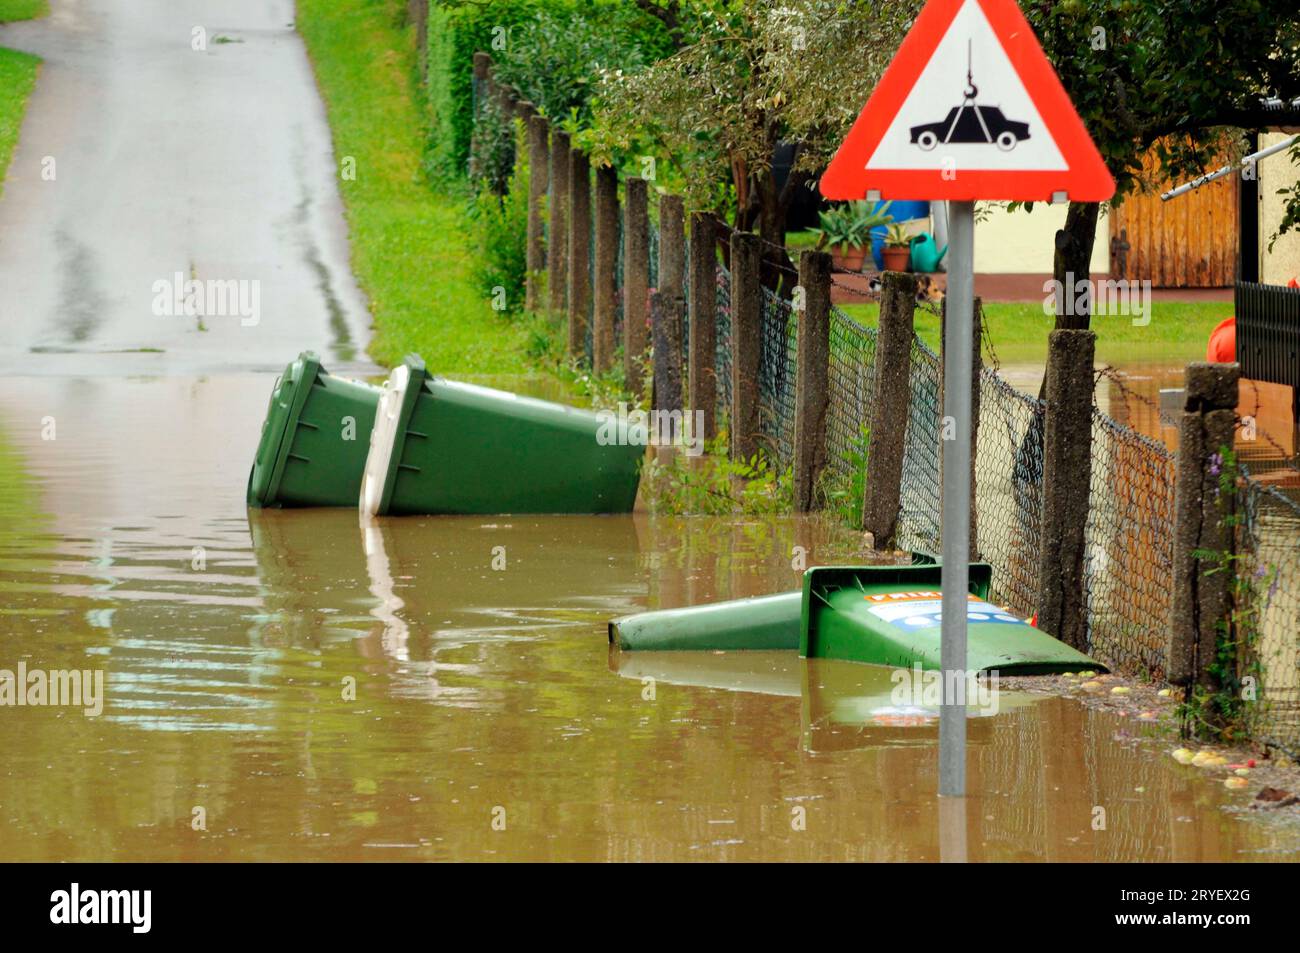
{"points": [[924, 610]]}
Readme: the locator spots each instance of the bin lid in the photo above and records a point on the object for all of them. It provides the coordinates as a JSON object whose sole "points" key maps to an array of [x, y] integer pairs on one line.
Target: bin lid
{"points": [[393, 413], [926, 571], [287, 399]]}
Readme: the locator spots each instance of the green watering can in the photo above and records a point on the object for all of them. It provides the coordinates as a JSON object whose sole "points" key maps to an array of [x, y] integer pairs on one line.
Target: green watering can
{"points": [[926, 255]]}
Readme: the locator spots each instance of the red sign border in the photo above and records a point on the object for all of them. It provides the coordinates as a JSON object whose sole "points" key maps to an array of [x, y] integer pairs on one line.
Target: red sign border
{"points": [[1086, 177]]}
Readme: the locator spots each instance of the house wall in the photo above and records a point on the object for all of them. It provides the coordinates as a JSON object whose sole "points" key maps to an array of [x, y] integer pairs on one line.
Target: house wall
{"points": [[1280, 265], [1022, 242]]}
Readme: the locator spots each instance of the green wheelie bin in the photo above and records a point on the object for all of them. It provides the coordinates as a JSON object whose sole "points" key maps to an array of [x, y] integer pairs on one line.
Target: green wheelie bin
{"points": [[441, 446], [314, 440]]}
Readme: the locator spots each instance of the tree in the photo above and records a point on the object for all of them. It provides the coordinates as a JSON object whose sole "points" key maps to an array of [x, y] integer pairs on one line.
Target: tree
{"points": [[1182, 77], [747, 76]]}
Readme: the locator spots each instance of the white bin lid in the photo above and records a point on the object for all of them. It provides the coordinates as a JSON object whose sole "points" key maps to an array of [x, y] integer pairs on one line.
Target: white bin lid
{"points": [[383, 438]]}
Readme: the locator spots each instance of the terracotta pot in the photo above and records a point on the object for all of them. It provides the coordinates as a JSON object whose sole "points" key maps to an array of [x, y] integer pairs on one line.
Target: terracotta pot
{"points": [[848, 257], [897, 257]]}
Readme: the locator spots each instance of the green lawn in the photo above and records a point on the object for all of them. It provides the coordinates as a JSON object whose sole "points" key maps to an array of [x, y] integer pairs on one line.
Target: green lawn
{"points": [[17, 78], [410, 250], [11, 10], [1178, 331]]}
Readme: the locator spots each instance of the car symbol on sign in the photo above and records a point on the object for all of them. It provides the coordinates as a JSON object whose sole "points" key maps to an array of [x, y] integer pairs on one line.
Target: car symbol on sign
{"points": [[969, 123]]}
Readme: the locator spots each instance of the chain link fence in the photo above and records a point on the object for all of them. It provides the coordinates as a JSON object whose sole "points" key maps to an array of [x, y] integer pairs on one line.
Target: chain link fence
{"points": [[1269, 544], [777, 375], [918, 523], [1009, 491], [851, 383], [1129, 554]]}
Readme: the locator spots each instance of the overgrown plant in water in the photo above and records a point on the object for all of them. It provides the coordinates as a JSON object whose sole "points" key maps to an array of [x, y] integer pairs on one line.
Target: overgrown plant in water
{"points": [[715, 485], [842, 495]]}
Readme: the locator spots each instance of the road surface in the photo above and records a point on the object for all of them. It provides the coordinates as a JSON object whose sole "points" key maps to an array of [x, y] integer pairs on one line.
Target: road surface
{"points": [[151, 175]]}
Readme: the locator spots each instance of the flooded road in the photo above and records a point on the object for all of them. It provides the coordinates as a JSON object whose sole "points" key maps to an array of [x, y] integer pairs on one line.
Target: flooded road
{"points": [[313, 689], [170, 142], [297, 686]]}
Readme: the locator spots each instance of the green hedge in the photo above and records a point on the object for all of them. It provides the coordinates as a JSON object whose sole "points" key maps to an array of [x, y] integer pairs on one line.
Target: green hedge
{"points": [[559, 46], [456, 32]]}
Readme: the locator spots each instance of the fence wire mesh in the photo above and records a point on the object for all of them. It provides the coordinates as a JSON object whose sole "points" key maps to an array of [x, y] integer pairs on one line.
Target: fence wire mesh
{"points": [[1129, 548], [1009, 491], [1269, 543], [722, 353], [851, 382], [777, 374], [918, 523]]}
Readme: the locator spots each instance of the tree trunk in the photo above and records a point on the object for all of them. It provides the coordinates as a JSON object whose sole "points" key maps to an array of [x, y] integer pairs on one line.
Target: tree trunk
{"points": [[779, 273], [1072, 262]]}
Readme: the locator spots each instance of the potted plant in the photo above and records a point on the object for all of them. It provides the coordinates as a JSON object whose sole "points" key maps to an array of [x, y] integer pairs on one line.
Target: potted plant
{"points": [[898, 248], [846, 229]]}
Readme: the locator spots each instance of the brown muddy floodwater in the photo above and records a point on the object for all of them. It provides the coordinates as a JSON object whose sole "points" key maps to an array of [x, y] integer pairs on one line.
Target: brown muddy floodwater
{"points": [[228, 639]]}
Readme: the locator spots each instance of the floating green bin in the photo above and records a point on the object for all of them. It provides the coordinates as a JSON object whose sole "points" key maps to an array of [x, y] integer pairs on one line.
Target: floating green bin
{"points": [[758, 623], [890, 615], [884, 615], [441, 446], [314, 440]]}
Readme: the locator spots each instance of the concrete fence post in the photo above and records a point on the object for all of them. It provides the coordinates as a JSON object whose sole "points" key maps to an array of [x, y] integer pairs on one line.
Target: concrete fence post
{"points": [[636, 280], [746, 343], [672, 245], [557, 257], [812, 377], [666, 312], [1067, 476], [417, 13], [579, 251], [703, 375], [889, 407], [539, 132], [602, 338], [1202, 586], [481, 87]]}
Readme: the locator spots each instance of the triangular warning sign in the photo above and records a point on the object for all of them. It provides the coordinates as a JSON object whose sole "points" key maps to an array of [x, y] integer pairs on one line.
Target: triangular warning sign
{"points": [[969, 108]]}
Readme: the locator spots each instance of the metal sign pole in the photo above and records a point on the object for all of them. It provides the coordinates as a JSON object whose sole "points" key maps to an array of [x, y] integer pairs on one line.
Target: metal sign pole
{"points": [[958, 357]]}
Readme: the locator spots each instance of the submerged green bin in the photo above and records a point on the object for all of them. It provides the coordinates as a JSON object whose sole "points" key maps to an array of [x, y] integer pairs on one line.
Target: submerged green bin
{"points": [[891, 615], [441, 446], [884, 615], [314, 440]]}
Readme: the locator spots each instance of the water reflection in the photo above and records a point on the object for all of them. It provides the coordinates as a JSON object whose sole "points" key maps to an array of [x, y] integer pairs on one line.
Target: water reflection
{"points": [[327, 690]]}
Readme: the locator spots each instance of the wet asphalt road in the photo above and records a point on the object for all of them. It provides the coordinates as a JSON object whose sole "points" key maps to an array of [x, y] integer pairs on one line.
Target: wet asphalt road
{"points": [[144, 164]]}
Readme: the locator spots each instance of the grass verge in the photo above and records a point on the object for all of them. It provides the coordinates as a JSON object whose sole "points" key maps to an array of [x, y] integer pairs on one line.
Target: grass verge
{"points": [[17, 79], [1177, 331], [11, 10], [410, 250]]}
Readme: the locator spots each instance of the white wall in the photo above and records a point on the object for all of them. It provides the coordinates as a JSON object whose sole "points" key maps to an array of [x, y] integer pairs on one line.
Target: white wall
{"points": [[1025, 242], [1280, 265]]}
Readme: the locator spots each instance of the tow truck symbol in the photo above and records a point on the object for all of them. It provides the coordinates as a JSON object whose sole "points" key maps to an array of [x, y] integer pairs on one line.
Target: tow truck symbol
{"points": [[971, 123]]}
